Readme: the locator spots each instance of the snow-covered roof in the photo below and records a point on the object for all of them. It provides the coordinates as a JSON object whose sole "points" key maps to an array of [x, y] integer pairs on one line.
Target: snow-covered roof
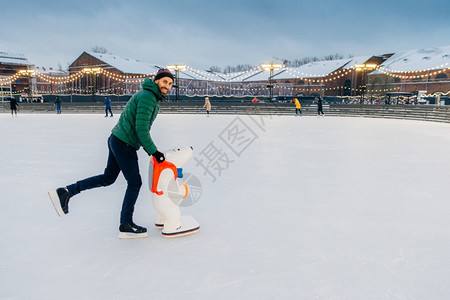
{"points": [[417, 60], [357, 60], [314, 69], [310, 70], [13, 58], [193, 74], [259, 75], [126, 65], [51, 71]]}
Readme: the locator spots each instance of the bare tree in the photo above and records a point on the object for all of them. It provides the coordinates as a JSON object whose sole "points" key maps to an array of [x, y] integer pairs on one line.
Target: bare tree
{"points": [[308, 59], [333, 56], [237, 68], [99, 49], [215, 69]]}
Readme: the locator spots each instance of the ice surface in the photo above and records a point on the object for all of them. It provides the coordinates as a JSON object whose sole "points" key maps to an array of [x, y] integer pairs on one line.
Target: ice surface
{"points": [[301, 208]]}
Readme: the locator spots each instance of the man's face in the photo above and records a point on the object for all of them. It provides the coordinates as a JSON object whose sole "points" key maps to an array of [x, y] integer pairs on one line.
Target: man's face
{"points": [[164, 85]]}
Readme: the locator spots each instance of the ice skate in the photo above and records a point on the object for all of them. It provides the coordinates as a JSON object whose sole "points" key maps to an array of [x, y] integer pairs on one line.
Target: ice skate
{"points": [[132, 231], [60, 199]]}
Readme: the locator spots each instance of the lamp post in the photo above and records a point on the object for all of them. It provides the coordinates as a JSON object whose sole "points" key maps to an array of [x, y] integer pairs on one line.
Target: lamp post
{"points": [[93, 79], [28, 74], [271, 67], [364, 68], [177, 69]]}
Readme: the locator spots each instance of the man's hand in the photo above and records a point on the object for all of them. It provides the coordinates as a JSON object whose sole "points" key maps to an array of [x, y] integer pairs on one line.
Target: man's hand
{"points": [[159, 156]]}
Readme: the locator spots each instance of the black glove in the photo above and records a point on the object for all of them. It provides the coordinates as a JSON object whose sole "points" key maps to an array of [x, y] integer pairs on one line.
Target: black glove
{"points": [[159, 156]]}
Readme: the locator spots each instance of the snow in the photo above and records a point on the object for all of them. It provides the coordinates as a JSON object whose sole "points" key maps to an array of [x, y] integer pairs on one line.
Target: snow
{"points": [[126, 65], [307, 208], [13, 59], [418, 60], [316, 68], [356, 60]]}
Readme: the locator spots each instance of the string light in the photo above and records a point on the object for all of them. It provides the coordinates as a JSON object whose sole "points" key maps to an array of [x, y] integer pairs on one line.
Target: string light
{"points": [[215, 83]]}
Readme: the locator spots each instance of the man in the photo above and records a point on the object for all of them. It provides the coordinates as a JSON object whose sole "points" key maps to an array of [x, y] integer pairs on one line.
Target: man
{"points": [[13, 105], [58, 102], [107, 103], [320, 107], [130, 133]]}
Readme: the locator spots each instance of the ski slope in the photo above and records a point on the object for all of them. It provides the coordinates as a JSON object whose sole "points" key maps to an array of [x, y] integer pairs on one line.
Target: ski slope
{"points": [[290, 208]]}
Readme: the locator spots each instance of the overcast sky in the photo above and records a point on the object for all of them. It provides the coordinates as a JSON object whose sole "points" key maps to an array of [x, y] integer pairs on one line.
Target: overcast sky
{"points": [[202, 33]]}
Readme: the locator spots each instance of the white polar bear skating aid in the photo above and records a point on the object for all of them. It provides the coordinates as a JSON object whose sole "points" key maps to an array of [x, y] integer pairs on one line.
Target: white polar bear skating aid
{"points": [[168, 191]]}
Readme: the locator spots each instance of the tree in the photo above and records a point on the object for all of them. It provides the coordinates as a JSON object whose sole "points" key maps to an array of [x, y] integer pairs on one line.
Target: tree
{"points": [[99, 49], [308, 59], [215, 69], [237, 68], [333, 56]]}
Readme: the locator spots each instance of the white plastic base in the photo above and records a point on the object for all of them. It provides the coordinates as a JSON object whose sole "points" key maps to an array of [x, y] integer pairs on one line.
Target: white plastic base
{"points": [[188, 226]]}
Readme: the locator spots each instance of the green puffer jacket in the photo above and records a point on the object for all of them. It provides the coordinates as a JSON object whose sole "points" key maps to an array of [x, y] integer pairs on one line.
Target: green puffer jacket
{"points": [[136, 119]]}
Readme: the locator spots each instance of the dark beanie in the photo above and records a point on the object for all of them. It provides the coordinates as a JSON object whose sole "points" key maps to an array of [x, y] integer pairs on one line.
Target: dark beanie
{"points": [[163, 73]]}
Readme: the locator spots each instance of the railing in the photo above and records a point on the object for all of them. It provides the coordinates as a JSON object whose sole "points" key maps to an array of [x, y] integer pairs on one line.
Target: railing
{"points": [[409, 112]]}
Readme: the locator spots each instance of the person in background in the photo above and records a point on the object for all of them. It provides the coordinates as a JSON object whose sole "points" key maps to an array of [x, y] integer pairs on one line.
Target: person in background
{"points": [[298, 107], [58, 102], [320, 107], [13, 105], [107, 103], [207, 105]]}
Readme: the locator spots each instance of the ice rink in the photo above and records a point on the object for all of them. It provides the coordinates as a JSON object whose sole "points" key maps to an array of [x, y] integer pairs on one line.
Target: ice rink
{"points": [[291, 208]]}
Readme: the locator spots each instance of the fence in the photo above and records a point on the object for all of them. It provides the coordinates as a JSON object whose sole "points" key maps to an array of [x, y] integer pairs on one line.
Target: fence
{"points": [[409, 112]]}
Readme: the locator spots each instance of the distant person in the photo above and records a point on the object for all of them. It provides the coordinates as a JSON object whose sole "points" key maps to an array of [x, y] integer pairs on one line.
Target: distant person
{"points": [[107, 103], [298, 107], [320, 107], [207, 105], [131, 132], [58, 102], [13, 105]]}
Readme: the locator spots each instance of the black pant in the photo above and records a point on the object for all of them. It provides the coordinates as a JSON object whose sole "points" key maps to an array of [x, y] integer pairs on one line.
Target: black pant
{"points": [[108, 109], [122, 157]]}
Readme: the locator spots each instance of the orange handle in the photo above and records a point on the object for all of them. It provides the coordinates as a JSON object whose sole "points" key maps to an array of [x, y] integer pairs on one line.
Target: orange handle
{"points": [[157, 170]]}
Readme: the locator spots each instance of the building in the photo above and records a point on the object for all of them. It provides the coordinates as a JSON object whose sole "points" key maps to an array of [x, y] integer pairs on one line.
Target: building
{"points": [[415, 70], [94, 73], [14, 78]]}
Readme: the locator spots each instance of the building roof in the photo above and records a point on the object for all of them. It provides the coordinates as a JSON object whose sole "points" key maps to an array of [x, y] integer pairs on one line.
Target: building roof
{"points": [[13, 58], [126, 65], [357, 60], [315, 69], [417, 60], [51, 71]]}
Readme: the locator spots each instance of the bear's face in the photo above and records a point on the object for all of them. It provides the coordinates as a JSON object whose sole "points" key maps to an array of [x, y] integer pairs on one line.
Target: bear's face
{"points": [[179, 156]]}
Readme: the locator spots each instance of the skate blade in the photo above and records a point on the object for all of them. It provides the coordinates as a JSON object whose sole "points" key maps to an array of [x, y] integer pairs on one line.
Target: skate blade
{"points": [[130, 235], [181, 233], [159, 226], [56, 203]]}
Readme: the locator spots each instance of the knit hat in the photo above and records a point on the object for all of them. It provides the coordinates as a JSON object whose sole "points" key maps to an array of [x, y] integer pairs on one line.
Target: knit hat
{"points": [[163, 73]]}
